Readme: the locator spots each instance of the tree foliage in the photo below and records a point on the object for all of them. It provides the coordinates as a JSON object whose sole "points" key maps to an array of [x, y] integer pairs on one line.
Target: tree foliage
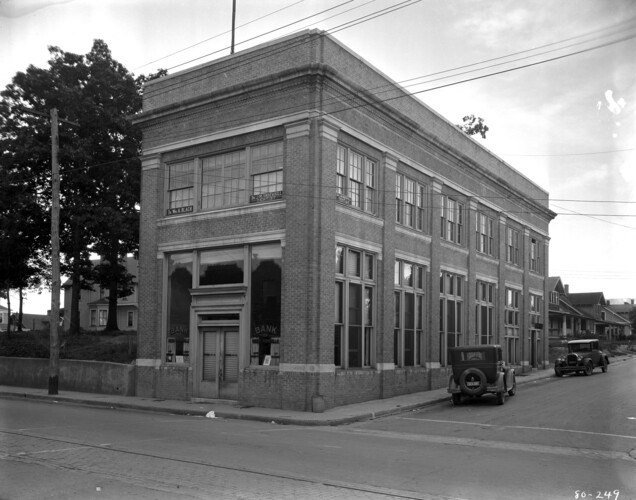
{"points": [[99, 165], [473, 125]]}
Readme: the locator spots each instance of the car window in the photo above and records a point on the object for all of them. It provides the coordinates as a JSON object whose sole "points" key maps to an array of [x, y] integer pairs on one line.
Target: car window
{"points": [[473, 356], [580, 347]]}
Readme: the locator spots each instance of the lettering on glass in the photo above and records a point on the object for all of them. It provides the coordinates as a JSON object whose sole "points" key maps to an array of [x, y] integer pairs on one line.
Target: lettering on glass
{"points": [[181, 210]]}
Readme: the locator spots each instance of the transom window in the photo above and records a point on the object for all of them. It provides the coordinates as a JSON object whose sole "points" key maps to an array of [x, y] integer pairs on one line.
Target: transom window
{"points": [[356, 180], [408, 340], [452, 220], [451, 287], [485, 239], [410, 200], [485, 313], [355, 316]]}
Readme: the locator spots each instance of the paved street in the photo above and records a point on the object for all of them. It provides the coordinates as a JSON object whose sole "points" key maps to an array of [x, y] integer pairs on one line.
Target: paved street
{"points": [[555, 438]]}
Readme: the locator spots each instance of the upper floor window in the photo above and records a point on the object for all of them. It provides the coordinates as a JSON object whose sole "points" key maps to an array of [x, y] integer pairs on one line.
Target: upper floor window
{"points": [[485, 238], [248, 175], [512, 246], [410, 198], [535, 259], [181, 187], [356, 180], [554, 298], [267, 169], [452, 220]]}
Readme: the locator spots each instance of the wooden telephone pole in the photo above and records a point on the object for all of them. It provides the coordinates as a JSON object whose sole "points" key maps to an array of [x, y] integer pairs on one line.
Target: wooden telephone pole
{"points": [[54, 357], [233, 21]]}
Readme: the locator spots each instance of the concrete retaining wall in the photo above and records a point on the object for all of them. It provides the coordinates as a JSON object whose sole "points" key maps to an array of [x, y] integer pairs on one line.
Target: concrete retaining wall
{"points": [[75, 375]]}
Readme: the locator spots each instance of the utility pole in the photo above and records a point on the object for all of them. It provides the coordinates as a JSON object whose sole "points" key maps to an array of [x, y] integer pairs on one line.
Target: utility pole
{"points": [[54, 357], [233, 21]]}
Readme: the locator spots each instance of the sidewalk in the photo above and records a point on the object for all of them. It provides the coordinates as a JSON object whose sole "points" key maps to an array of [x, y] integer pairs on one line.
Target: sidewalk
{"points": [[230, 409]]}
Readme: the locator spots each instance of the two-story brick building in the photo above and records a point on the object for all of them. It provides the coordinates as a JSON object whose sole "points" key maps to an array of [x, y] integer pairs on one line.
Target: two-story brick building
{"points": [[312, 235]]}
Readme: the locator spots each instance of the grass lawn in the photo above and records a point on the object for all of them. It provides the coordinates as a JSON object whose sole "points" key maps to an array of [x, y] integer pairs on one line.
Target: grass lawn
{"points": [[116, 347]]}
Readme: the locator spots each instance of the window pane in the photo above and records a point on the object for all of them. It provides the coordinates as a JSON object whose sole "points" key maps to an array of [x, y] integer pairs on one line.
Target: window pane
{"points": [[339, 260], [267, 158], [368, 306], [409, 311], [407, 270], [353, 263], [339, 302], [355, 304], [221, 266], [368, 266], [450, 316], [179, 300], [266, 300]]}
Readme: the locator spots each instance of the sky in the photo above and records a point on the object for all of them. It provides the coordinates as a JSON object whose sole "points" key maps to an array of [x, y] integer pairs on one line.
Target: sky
{"points": [[554, 81]]}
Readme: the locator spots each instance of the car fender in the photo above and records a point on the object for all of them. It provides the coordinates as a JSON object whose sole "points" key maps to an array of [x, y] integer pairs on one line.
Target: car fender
{"points": [[500, 383], [452, 386], [510, 377]]}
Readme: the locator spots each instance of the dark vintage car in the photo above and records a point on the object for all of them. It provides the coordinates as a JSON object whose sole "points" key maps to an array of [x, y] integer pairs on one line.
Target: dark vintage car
{"points": [[478, 370], [583, 356]]}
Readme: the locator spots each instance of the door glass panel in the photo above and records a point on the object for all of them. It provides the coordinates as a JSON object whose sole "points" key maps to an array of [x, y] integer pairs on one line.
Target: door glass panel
{"points": [[209, 356], [230, 360]]}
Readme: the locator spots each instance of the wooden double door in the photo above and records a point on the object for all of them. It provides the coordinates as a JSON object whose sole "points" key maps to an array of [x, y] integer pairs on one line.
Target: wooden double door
{"points": [[220, 362]]}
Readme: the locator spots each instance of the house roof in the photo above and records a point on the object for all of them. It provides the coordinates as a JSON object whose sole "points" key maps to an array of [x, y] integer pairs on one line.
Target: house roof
{"points": [[587, 299], [614, 317]]}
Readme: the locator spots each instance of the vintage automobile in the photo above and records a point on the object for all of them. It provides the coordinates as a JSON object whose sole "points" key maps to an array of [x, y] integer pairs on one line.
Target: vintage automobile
{"points": [[479, 370], [583, 356]]}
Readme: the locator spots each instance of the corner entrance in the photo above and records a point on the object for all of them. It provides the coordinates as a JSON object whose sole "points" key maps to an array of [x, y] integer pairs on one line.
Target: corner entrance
{"points": [[220, 362]]}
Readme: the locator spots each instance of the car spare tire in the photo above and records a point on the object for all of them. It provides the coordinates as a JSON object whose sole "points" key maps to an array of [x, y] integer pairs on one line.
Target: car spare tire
{"points": [[473, 382]]}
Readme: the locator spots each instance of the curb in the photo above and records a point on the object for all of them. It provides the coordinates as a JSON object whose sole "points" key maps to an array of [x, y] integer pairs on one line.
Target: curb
{"points": [[280, 420]]}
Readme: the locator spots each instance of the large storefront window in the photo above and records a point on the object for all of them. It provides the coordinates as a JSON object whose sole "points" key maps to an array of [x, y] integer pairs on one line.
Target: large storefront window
{"points": [[408, 334], [450, 313], [179, 285], [485, 313], [512, 325], [354, 318], [266, 304]]}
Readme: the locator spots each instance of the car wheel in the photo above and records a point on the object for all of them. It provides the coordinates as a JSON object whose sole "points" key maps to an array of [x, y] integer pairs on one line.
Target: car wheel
{"points": [[557, 371], [513, 389], [473, 382], [589, 368], [456, 398], [501, 398]]}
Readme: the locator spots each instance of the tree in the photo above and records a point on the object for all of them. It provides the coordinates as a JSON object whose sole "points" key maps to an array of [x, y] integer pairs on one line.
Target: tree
{"points": [[99, 158], [23, 236], [474, 125]]}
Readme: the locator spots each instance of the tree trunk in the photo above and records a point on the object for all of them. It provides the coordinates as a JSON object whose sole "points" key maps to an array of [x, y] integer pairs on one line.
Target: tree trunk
{"points": [[112, 326], [74, 324], [8, 312], [76, 284], [21, 302]]}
